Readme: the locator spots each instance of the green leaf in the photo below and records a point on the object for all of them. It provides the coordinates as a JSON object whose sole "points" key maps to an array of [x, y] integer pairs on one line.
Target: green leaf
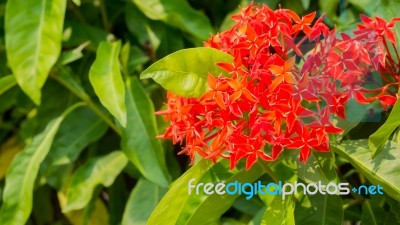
{"points": [[250, 207], [185, 72], [320, 167], [139, 137], [329, 7], [306, 4], [200, 209], [100, 170], [319, 210], [33, 41], [142, 201], [77, 2], [6, 83], [384, 169], [394, 208], [72, 55], [21, 176], [378, 139], [280, 212], [48, 110], [80, 128], [372, 213], [106, 79], [177, 13], [145, 30], [65, 78], [81, 32]]}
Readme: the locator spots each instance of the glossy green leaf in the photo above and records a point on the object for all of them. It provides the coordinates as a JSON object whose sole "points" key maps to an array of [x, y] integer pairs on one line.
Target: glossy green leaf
{"points": [[280, 212], [199, 209], [384, 169], [185, 72], [33, 41], [177, 13], [396, 136], [100, 170], [77, 2], [320, 167], [21, 176], [106, 79], [378, 139], [319, 210], [142, 201], [6, 83], [139, 137]]}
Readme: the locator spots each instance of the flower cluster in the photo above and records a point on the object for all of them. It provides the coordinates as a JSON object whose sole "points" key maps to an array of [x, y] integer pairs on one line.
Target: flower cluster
{"points": [[277, 97]]}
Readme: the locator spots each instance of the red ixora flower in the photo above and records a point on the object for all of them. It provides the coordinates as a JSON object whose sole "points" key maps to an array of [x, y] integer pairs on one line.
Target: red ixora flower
{"points": [[268, 103]]}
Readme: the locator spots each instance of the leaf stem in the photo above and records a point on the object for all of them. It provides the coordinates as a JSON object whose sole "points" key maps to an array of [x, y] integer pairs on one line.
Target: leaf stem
{"points": [[89, 103], [104, 16]]}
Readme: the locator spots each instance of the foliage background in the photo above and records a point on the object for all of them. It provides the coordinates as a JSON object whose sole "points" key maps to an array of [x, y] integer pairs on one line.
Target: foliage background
{"points": [[77, 126]]}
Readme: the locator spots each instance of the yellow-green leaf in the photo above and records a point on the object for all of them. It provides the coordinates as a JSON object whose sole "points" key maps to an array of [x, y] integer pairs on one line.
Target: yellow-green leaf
{"points": [[33, 32], [106, 79], [185, 72]]}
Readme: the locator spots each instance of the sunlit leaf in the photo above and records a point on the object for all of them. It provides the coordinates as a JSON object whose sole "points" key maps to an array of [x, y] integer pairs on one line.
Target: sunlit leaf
{"points": [[33, 41], [100, 170], [185, 72], [106, 79], [200, 208], [378, 139], [6, 83], [384, 169]]}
